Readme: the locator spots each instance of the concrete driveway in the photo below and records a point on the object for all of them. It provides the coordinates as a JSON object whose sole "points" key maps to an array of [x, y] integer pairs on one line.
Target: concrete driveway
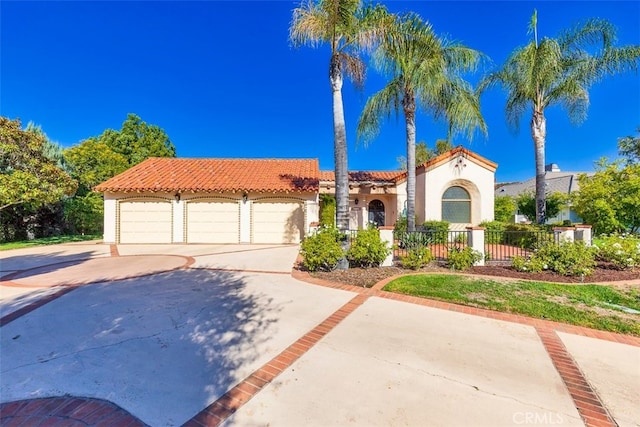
{"points": [[205, 335]]}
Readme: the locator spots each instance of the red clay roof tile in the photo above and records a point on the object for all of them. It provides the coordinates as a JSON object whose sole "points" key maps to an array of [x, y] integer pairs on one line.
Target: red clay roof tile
{"points": [[217, 175], [360, 176]]}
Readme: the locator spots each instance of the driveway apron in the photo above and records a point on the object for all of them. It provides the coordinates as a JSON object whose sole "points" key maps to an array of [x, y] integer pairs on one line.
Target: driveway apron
{"points": [[197, 335]]}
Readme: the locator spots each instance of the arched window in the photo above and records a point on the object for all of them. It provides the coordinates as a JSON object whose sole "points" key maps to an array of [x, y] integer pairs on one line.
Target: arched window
{"points": [[376, 212], [456, 205]]}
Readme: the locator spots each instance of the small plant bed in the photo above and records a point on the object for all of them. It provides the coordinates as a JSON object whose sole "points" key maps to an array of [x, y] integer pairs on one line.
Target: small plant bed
{"points": [[367, 277], [595, 306]]}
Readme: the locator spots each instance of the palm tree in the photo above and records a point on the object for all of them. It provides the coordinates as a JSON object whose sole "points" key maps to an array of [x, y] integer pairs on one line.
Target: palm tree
{"points": [[560, 71], [424, 71], [349, 28]]}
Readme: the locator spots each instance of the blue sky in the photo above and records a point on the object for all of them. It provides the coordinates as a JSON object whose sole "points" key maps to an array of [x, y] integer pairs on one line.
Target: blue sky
{"points": [[221, 78]]}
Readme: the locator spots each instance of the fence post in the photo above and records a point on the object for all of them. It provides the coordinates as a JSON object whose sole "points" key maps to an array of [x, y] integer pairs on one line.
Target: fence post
{"points": [[476, 241], [386, 235], [583, 232], [564, 234]]}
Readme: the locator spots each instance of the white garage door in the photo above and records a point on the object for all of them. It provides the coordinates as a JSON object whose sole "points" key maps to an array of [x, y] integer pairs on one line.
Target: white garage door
{"points": [[277, 222], [145, 222], [213, 222]]}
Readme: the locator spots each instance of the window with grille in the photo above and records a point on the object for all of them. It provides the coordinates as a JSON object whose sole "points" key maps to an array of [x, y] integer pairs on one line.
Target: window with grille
{"points": [[456, 205]]}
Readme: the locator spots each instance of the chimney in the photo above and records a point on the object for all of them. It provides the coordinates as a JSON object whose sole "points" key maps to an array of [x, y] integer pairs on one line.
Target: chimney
{"points": [[552, 167]]}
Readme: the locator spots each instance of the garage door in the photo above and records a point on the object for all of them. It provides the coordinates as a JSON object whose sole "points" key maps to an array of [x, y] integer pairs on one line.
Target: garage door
{"points": [[277, 222], [213, 222], [145, 222]]}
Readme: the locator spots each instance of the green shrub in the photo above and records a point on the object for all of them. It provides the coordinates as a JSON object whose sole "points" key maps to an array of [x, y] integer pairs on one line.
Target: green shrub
{"points": [[322, 250], [415, 240], [327, 210], [367, 249], [526, 236], [416, 258], [461, 259], [622, 251], [494, 231], [439, 230], [566, 258]]}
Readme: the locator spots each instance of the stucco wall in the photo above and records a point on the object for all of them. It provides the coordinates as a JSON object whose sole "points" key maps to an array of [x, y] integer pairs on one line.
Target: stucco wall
{"points": [[459, 171]]}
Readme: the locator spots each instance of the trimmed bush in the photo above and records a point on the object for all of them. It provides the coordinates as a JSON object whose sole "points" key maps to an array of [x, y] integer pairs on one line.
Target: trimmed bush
{"points": [[494, 231], [526, 236], [623, 251], [439, 230], [367, 249], [416, 258], [462, 259], [322, 250], [566, 258]]}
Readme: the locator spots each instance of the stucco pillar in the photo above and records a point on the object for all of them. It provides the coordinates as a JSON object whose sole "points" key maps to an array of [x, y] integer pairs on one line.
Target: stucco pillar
{"points": [[583, 232], [110, 207], [245, 220], [178, 221], [386, 235], [564, 234], [476, 241]]}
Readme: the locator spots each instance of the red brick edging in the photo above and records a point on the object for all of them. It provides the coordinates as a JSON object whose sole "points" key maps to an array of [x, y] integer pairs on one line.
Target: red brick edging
{"points": [[66, 411], [231, 401], [588, 403]]}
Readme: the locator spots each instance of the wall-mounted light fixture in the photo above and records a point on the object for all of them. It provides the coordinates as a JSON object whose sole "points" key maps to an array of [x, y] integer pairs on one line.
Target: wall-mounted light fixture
{"points": [[245, 197], [177, 196], [356, 201]]}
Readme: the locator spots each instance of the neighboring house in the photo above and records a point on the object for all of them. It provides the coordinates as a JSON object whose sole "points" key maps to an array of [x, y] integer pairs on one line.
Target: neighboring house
{"points": [[168, 200], [556, 182]]}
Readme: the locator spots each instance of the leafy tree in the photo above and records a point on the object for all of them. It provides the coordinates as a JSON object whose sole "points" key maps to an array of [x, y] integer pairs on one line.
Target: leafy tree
{"points": [[97, 159], [504, 208], [84, 213], [349, 28], [558, 71], [424, 71], [327, 210], [27, 175], [138, 141], [526, 203], [424, 153], [629, 147], [93, 161], [609, 200]]}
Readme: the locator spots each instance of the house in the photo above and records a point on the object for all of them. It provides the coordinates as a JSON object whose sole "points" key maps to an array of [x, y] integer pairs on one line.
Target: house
{"points": [[556, 181], [173, 200]]}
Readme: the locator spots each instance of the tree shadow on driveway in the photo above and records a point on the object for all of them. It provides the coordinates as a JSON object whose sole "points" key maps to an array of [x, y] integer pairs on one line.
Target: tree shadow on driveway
{"points": [[162, 347]]}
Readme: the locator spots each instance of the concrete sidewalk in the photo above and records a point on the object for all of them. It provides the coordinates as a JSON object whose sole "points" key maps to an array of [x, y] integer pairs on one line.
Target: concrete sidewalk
{"points": [[225, 335]]}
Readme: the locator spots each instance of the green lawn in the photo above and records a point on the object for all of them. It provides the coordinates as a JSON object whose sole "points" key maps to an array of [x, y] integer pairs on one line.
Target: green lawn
{"points": [[593, 306], [47, 241]]}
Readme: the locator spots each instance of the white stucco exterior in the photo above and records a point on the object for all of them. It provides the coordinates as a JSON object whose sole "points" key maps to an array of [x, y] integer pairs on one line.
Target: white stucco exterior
{"points": [[464, 170]]}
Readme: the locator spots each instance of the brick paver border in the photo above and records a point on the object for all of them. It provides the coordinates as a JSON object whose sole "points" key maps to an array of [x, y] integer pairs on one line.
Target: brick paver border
{"points": [[231, 401], [66, 411]]}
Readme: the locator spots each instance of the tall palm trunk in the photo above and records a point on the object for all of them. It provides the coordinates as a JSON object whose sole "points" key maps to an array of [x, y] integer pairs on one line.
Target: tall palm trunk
{"points": [[539, 135], [409, 105], [339, 146]]}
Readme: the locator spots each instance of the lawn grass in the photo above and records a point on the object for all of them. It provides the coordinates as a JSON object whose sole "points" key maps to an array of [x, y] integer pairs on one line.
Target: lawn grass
{"points": [[47, 241], [582, 305]]}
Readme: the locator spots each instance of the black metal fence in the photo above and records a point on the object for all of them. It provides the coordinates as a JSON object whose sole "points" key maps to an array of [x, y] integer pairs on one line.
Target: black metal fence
{"points": [[503, 246], [499, 246], [439, 242]]}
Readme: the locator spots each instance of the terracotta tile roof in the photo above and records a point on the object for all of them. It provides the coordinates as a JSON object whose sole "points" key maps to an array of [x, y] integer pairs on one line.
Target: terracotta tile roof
{"points": [[366, 176], [458, 151], [217, 175]]}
